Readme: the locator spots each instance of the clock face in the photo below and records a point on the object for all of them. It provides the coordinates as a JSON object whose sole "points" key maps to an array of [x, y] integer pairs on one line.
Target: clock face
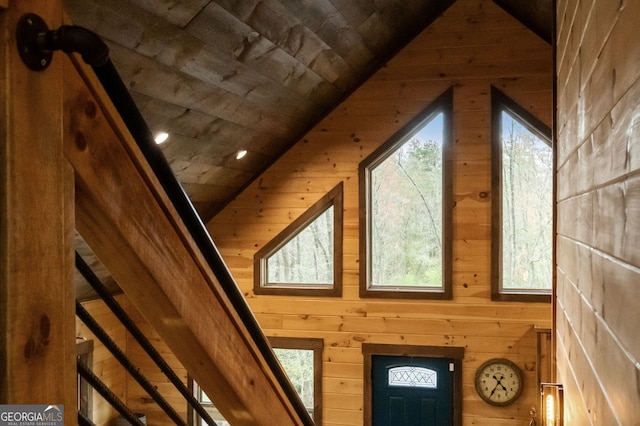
{"points": [[499, 381]]}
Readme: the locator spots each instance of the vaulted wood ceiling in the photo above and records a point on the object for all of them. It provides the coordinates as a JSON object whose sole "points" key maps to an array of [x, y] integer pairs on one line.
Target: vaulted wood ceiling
{"points": [[222, 76]]}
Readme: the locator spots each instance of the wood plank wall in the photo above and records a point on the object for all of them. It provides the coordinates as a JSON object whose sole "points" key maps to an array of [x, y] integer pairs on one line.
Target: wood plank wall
{"points": [[474, 45], [105, 365], [598, 208]]}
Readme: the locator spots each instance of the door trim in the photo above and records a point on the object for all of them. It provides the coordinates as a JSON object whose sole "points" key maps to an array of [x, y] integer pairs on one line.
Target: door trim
{"points": [[453, 352]]}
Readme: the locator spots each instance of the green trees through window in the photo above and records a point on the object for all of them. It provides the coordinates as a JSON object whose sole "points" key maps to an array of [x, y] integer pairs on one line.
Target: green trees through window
{"points": [[301, 360], [299, 366], [527, 197], [405, 187], [406, 212], [522, 234], [306, 257]]}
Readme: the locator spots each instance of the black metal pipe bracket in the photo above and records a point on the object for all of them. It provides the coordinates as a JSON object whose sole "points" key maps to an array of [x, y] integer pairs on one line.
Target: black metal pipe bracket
{"points": [[36, 43]]}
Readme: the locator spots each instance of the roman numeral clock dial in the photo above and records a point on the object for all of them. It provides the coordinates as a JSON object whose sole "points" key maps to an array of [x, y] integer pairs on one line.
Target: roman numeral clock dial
{"points": [[499, 381]]}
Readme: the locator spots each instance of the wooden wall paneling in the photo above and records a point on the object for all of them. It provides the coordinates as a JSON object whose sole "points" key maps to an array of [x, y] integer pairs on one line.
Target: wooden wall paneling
{"points": [[330, 152], [37, 342], [578, 374], [597, 244]]}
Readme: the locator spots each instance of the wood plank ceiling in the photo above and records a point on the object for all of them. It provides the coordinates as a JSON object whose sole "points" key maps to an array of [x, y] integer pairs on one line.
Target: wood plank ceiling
{"points": [[222, 76], [228, 75]]}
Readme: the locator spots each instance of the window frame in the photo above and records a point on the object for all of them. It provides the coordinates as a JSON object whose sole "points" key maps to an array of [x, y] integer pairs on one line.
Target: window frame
{"points": [[276, 342], [312, 344], [332, 198], [84, 392], [442, 104], [499, 103]]}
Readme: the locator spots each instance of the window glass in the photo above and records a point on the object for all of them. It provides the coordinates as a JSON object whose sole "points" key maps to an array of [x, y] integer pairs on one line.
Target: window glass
{"points": [[522, 203], [305, 258], [206, 403], [308, 257], [406, 212], [299, 366], [406, 190], [301, 360], [527, 207]]}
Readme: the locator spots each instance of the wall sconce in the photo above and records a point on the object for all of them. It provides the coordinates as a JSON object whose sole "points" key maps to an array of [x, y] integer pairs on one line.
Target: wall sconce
{"points": [[552, 404]]}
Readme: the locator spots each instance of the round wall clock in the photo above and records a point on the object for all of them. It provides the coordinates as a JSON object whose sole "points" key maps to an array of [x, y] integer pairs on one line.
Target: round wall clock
{"points": [[499, 381]]}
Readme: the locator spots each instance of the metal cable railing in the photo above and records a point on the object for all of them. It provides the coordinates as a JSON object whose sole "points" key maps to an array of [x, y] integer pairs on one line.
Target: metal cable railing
{"points": [[108, 342], [106, 393], [137, 334], [84, 420]]}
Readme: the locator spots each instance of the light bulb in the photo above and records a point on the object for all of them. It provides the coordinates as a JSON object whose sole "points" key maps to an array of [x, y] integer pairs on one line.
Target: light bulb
{"points": [[161, 137], [550, 416]]}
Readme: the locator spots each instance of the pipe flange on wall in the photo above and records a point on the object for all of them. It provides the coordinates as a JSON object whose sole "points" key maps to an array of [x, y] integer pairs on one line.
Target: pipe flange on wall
{"points": [[36, 43], [30, 27]]}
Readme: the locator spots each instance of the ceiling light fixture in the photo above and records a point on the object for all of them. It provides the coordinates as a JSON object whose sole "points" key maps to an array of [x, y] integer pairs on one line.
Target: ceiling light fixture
{"points": [[161, 137], [241, 154]]}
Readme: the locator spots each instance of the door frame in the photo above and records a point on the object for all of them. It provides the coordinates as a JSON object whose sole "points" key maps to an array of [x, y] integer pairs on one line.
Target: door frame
{"points": [[453, 352]]}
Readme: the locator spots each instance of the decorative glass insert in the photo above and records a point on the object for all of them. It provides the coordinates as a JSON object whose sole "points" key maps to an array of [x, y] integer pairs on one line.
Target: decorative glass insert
{"points": [[307, 258], [413, 377]]}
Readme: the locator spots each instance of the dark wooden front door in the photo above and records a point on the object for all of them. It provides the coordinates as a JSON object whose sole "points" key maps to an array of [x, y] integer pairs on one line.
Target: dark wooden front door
{"points": [[412, 391]]}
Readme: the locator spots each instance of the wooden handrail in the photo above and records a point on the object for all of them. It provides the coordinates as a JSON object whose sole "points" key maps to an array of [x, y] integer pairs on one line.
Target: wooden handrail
{"points": [[124, 214]]}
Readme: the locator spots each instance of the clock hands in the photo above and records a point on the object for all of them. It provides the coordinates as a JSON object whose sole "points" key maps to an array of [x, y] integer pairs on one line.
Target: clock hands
{"points": [[498, 383]]}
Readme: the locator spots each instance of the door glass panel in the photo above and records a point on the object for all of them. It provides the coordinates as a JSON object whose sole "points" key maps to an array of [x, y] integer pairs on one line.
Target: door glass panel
{"points": [[414, 377]]}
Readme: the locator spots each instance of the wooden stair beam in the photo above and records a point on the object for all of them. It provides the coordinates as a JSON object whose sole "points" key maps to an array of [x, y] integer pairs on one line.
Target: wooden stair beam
{"points": [[37, 311], [126, 217]]}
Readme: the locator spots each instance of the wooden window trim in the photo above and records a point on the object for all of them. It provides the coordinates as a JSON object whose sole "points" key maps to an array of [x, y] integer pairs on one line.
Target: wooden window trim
{"points": [[280, 342], [333, 197], [317, 346], [444, 104], [453, 352], [500, 102], [84, 354]]}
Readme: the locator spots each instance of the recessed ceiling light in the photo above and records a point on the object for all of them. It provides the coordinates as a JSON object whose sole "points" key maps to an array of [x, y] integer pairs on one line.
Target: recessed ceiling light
{"points": [[241, 154], [161, 137]]}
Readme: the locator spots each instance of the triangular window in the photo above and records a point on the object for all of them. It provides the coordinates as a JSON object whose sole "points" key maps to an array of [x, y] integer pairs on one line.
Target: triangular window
{"points": [[306, 257]]}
